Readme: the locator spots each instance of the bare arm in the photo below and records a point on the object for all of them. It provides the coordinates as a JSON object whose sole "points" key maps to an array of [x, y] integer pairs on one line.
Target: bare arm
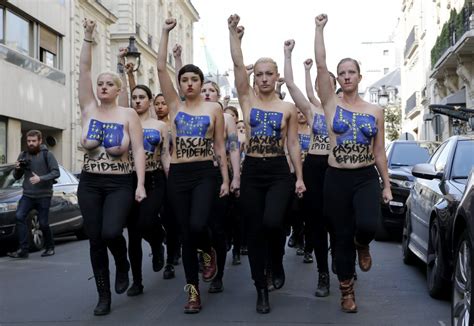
{"points": [[131, 77], [301, 102], [123, 99], [219, 150], [381, 157], [241, 78], [293, 145], [171, 96], [308, 83], [86, 93], [165, 151], [178, 64], [326, 93], [234, 151], [136, 138]]}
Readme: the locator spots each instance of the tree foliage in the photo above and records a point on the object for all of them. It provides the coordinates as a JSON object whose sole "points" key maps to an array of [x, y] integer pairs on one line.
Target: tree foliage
{"points": [[393, 122]]}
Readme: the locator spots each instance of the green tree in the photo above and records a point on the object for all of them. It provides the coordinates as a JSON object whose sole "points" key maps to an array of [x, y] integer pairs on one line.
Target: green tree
{"points": [[393, 122]]}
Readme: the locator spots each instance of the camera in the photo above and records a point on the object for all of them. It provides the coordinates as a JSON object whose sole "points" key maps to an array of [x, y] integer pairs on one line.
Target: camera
{"points": [[24, 163]]}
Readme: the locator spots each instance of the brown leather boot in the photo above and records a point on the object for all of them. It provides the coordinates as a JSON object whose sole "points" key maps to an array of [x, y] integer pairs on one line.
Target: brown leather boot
{"points": [[347, 296], [209, 270], [363, 254], [193, 305]]}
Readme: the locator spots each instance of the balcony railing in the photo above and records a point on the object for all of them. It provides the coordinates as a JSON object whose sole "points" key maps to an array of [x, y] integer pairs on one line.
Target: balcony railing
{"points": [[31, 64], [452, 31], [411, 42], [411, 103]]}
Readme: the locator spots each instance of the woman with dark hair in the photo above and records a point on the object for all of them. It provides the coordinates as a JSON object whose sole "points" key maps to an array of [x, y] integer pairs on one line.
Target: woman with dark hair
{"points": [[351, 185], [105, 190], [143, 220], [267, 183], [197, 131], [314, 169]]}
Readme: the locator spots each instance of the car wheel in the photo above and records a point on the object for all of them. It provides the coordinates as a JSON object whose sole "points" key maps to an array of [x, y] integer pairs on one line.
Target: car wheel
{"points": [[409, 257], [381, 233], [461, 295], [434, 268], [36, 237]]}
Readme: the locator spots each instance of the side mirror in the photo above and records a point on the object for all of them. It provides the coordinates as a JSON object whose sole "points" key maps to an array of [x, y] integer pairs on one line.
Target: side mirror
{"points": [[426, 171]]}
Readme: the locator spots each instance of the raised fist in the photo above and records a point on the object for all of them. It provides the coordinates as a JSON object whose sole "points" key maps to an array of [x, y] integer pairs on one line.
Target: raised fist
{"points": [[177, 49], [170, 23], [129, 67], [289, 45], [240, 31], [308, 63], [233, 21], [122, 54], [280, 82], [89, 26], [321, 20], [249, 69]]}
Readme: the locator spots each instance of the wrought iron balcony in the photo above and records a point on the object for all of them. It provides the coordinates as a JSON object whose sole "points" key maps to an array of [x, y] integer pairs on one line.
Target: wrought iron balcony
{"points": [[412, 42], [411, 103]]}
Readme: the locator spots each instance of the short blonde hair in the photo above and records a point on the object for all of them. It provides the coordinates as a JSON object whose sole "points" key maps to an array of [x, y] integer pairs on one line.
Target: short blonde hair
{"points": [[266, 60], [115, 78]]}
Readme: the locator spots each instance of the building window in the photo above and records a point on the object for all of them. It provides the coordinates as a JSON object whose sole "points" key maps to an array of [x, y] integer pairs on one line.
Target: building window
{"points": [[48, 47], [385, 71], [1, 24], [17, 33]]}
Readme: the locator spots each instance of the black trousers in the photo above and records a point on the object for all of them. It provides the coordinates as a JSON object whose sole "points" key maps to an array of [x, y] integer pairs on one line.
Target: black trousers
{"points": [[352, 203], [218, 228], [105, 201], [316, 224], [192, 190], [266, 188], [143, 221]]}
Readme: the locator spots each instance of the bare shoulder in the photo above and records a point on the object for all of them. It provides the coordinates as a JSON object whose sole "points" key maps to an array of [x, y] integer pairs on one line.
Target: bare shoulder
{"points": [[288, 106], [375, 110]]}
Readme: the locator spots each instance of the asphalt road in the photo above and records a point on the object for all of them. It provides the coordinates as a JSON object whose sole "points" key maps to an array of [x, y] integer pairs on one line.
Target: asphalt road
{"points": [[56, 291]]}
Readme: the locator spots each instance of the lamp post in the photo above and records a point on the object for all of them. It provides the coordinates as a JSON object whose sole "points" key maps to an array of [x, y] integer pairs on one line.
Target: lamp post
{"points": [[133, 55]]}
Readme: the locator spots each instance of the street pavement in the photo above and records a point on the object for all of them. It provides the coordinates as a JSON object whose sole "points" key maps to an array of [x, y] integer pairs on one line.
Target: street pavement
{"points": [[57, 291]]}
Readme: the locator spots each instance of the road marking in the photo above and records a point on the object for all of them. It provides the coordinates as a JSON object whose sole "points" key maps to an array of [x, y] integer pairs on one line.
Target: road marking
{"points": [[441, 323]]}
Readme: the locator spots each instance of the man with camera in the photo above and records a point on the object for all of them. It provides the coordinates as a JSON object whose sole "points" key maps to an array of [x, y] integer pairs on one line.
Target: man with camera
{"points": [[40, 169]]}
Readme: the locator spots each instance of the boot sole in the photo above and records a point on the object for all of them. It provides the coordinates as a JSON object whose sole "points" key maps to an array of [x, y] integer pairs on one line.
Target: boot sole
{"points": [[349, 311], [191, 311]]}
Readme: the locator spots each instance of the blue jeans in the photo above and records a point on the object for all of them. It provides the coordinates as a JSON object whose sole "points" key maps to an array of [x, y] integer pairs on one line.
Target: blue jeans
{"points": [[41, 205]]}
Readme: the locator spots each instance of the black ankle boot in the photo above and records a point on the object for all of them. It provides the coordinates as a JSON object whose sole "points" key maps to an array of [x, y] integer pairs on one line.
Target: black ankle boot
{"points": [[102, 282], [135, 289], [323, 285], [121, 279], [278, 275], [263, 305]]}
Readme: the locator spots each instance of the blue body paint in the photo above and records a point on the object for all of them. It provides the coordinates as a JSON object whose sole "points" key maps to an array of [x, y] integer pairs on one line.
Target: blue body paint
{"points": [[353, 127], [109, 134], [265, 123], [191, 125], [151, 139]]}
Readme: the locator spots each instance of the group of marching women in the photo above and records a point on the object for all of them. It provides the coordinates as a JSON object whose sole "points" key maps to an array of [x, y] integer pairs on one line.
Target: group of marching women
{"points": [[173, 170]]}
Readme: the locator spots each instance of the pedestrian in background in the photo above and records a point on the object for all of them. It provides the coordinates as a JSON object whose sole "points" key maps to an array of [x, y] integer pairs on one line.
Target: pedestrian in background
{"points": [[39, 168]]}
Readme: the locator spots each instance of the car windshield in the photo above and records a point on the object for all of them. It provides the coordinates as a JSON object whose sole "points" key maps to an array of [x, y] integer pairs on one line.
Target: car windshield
{"points": [[6, 178], [463, 159], [410, 154]]}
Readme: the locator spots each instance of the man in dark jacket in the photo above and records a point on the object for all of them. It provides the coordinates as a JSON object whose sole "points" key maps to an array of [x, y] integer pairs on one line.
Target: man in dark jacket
{"points": [[39, 168]]}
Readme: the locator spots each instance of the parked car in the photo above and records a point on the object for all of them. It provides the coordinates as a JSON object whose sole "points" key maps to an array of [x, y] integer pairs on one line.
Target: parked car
{"points": [[64, 215], [401, 156], [462, 312], [431, 209]]}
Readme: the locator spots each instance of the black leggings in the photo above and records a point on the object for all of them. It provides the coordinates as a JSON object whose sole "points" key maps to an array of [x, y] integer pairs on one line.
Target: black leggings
{"points": [[192, 189], [218, 228], [316, 235], [352, 204], [105, 201], [266, 190], [143, 221]]}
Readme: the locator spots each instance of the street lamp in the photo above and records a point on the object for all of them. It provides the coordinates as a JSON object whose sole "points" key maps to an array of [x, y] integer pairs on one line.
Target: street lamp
{"points": [[133, 55], [383, 96]]}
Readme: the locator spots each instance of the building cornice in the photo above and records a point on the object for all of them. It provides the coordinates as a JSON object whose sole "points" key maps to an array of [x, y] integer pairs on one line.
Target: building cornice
{"points": [[186, 4], [100, 9]]}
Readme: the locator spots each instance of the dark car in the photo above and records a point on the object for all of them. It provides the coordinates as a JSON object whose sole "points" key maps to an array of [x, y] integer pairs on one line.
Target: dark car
{"points": [[64, 215], [401, 156], [462, 242], [431, 210]]}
